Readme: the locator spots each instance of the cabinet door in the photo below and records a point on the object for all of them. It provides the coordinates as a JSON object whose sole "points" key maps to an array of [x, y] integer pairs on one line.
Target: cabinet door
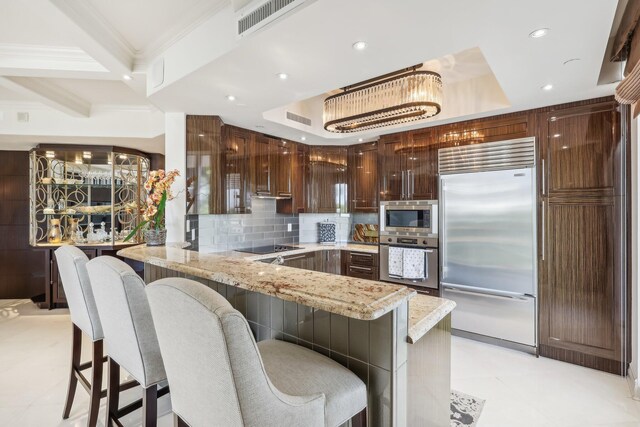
{"points": [[259, 165], [363, 177], [281, 168], [305, 261], [393, 150], [59, 296], [327, 180], [422, 167], [580, 300], [581, 151], [236, 177], [299, 154], [205, 165]]}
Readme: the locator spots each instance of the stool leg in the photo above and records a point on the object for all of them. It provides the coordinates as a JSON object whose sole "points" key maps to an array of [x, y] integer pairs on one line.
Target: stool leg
{"points": [[76, 349], [113, 391], [150, 406], [360, 419], [96, 383]]}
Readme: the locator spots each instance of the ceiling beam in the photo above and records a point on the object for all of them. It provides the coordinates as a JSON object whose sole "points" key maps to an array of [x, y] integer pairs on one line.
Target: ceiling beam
{"points": [[49, 94], [49, 61], [96, 36]]}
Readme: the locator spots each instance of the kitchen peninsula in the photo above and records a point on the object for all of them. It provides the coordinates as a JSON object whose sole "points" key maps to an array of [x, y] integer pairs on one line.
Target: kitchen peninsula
{"points": [[396, 341]]}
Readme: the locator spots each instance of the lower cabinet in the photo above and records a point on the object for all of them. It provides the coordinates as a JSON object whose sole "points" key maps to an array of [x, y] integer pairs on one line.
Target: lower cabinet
{"points": [[362, 265]]}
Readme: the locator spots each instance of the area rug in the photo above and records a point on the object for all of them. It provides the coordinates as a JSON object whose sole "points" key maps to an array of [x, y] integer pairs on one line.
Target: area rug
{"points": [[465, 409]]}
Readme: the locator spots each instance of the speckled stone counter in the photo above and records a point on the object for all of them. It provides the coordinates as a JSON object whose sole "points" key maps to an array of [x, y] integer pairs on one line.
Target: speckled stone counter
{"points": [[347, 296], [424, 314]]}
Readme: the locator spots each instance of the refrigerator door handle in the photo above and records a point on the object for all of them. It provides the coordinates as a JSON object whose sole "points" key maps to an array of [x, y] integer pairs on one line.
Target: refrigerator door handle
{"points": [[485, 292]]}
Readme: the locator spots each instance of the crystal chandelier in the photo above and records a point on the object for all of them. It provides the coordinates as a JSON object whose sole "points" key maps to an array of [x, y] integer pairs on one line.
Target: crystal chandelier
{"points": [[401, 97]]}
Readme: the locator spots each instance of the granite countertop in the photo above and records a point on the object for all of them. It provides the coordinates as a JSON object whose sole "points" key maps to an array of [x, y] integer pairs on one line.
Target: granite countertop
{"points": [[347, 296], [424, 313]]}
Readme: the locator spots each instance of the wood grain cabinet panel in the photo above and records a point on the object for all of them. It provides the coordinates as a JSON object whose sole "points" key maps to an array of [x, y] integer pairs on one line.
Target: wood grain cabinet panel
{"points": [[281, 167], [363, 177], [581, 300], [327, 183], [260, 164], [423, 165], [393, 151], [581, 151], [237, 166], [204, 172]]}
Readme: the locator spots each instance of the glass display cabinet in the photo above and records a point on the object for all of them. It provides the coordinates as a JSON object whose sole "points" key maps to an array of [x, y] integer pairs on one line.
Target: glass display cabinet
{"points": [[88, 196], [85, 197]]}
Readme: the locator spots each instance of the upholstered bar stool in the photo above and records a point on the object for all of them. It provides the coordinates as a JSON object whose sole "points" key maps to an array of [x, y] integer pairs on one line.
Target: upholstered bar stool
{"points": [[129, 335], [219, 376], [72, 264]]}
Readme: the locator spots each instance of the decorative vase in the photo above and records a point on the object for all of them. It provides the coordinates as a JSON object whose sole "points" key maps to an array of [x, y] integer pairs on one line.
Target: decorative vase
{"points": [[55, 233], [156, 237]]}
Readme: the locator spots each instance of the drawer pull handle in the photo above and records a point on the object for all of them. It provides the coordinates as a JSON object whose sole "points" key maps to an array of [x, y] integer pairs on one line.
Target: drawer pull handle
{"points": [[353, 267]]}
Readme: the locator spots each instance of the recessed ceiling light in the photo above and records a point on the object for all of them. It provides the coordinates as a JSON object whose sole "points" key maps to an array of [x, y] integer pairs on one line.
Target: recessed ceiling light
{"points": [[283, 76], [360, 45], [303, 138], [540, 32], [231, 98], [547, 87], [360, 139], [127, 77]]}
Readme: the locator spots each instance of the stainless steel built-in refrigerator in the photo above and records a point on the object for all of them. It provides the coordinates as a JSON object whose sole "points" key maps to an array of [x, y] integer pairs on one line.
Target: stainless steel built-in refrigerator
{"points": [[488, 238]]}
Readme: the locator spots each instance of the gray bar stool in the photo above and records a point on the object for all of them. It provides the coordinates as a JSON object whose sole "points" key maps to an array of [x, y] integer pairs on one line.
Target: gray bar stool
{"points": [[219, 376], [84, 318], [129, 335]]}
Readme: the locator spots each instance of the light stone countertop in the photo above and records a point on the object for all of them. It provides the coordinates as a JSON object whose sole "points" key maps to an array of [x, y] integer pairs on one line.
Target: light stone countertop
{"points": [[424, 313], [347, 296], [351, 297]]}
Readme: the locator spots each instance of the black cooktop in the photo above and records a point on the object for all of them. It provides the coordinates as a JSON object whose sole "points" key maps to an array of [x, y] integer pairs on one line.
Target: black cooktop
{"points": [[268, 249]]}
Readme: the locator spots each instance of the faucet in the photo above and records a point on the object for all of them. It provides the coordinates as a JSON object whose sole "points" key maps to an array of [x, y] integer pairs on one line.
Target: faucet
{"points": [[279, 260]]}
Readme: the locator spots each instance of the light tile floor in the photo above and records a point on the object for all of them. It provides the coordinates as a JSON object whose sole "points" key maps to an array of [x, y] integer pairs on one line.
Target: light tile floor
{"points": [[520, 390]]}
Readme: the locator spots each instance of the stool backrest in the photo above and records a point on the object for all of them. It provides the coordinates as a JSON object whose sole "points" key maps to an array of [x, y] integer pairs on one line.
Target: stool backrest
{"points": [[213, 364], [129, 333], [72, 265]]}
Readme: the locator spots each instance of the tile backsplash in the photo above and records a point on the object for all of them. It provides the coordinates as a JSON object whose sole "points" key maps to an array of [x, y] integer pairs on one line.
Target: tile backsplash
{"points": [[262, 227]]}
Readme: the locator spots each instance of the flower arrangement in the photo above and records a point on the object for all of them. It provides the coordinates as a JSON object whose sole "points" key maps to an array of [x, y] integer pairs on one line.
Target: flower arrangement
{"points": [[158, 188]]}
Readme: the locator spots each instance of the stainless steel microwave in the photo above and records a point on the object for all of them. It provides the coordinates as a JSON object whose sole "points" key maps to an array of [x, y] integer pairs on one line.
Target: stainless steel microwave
{"points": [[418, 217]]}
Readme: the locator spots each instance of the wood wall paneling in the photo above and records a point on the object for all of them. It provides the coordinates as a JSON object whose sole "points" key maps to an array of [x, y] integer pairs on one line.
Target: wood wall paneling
{"points": [[22, 267]]}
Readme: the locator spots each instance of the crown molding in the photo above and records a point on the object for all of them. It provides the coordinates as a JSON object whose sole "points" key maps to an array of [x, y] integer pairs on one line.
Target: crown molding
{"points": [[47, 58]]}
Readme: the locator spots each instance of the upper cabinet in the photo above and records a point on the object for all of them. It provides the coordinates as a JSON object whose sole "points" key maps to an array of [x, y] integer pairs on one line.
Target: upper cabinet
{"points": [[238, 154], [409, 165], [363, 177], [260, 165], [580, 151], [327, 180], [281, 167], [205, 165]]}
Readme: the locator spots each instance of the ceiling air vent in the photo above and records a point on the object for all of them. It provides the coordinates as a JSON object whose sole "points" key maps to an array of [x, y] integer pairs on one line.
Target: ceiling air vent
{"points": [[266, 12], [23, 117], [297, 118]]}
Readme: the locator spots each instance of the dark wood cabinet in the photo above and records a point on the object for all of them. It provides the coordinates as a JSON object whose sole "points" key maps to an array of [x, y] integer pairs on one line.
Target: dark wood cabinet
{"points": [[581, 276], [362, 265], [363, 177], [409, 165], [299, 175], [281, 167], [305, 261], [237, 148], [327, 180], [259, 166], [205, 166]]}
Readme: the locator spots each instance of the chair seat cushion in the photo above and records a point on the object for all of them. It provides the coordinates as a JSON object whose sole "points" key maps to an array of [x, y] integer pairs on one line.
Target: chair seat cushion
{"points": [[298, 371]]}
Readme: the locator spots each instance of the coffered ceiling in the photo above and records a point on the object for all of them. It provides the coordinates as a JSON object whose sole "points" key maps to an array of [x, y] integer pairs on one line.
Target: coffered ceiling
{"points": [[95, 69]]}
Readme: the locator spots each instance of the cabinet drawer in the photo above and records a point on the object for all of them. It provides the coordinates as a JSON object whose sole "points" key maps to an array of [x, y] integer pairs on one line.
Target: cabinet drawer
{"points": [[363, 259], [370, 273]]}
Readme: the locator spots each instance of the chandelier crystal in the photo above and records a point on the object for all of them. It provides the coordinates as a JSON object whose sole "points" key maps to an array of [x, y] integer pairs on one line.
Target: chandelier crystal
{"points": [[409, 96]]}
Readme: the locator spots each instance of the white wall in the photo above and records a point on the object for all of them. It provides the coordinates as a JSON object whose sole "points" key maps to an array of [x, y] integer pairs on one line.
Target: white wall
{"points": [[175, 149]]}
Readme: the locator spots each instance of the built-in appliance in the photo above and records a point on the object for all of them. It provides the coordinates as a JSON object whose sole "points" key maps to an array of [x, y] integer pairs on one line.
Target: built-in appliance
{"points": [[409, 243], [488, 240], [419, 217], [260, 250]]}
